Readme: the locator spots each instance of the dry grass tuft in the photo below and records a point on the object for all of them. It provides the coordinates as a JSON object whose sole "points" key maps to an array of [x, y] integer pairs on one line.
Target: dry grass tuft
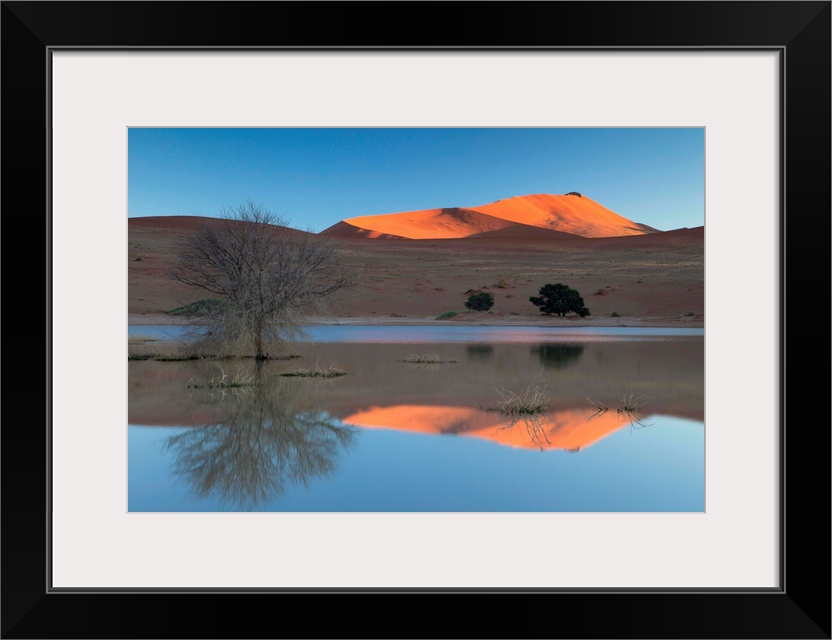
{"points": [[318, 371], [425, 358], [223, 381], [629, 406], [526, 407], [534, 399]]}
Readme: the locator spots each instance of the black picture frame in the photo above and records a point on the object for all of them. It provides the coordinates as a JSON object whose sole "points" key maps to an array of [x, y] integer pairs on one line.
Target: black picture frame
{"points": [[799, 31]]}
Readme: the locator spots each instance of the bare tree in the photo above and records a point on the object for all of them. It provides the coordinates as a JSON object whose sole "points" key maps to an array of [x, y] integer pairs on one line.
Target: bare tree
{"points": [[263, 277]]}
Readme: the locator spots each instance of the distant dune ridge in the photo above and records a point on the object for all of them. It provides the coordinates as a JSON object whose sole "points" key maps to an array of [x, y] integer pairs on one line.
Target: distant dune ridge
{"points": [[531, 216]]}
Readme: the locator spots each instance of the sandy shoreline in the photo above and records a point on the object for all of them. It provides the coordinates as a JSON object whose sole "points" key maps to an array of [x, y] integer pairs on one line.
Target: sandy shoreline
{"points": [[484, 320]]}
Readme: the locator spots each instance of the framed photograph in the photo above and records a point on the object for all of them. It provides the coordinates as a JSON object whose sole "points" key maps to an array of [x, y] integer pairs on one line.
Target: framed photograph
{"points": [[106, 102], [429, 361]]}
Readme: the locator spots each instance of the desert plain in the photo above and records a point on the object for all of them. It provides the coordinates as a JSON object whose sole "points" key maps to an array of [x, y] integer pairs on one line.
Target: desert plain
{"points": [[643, 277]]}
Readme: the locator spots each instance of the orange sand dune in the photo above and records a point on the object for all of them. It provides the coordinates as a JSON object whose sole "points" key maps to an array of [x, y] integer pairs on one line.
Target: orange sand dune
{"points": [[422, 225], [437, 227], [575, 215], [570, 430], [578, 215]]}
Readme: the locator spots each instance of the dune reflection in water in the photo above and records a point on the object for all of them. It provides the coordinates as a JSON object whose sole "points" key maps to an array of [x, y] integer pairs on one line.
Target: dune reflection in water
{"points": [[571, 429]]}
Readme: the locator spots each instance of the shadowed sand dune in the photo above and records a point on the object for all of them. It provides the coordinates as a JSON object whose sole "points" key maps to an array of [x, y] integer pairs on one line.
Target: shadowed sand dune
{"points": [[167, 223], [568, 215], [526, 232], [665, 240], [347, 230], [184, 224]]}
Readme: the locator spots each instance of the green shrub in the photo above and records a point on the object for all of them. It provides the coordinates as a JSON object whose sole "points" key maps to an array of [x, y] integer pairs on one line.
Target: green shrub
{"points": [[446, 315], [615, 314], [559, 299], [480, 301]]}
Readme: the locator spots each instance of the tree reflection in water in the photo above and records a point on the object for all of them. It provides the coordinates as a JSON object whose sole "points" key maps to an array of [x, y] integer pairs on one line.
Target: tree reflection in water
{"points": [[272, 435], [558, 355]]}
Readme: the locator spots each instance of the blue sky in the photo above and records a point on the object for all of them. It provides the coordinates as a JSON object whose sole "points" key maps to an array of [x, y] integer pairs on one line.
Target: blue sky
{"points": [[316, 177]]}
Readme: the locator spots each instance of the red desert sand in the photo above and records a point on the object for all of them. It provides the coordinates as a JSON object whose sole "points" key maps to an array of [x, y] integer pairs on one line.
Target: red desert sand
{"points": [[411, 267]]}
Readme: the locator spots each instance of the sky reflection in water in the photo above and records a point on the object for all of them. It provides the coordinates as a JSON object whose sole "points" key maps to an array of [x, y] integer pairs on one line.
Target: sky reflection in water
{"points": [[392, 436], [457, 333]]}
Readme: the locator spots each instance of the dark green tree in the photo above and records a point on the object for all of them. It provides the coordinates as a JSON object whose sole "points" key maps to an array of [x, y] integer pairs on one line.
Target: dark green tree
{"points": [[480, 301], [559, 299]]}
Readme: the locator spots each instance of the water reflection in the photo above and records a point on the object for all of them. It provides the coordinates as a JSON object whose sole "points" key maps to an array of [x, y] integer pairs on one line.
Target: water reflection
{"points": [[479, 352], [533, 427], [270, 437], [630, 407], [672, 373], [426, 441], [568, 429], [558, 355]]}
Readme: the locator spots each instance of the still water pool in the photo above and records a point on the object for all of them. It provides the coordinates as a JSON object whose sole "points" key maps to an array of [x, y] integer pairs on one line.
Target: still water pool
{"points": [[620, 429]]}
